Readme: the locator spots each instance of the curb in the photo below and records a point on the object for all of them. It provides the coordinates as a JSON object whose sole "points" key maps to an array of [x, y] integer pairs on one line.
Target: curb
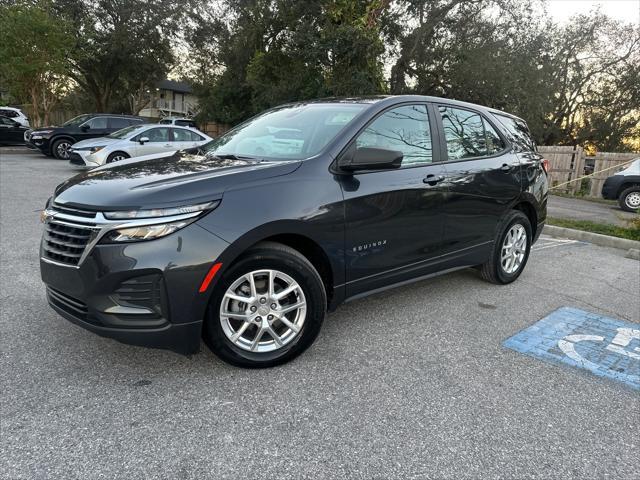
{"points": [[595, 238]]}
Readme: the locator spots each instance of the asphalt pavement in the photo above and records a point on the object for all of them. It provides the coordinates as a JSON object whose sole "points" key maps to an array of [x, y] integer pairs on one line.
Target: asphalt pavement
{"points": [[410, 383], [579, 209]]}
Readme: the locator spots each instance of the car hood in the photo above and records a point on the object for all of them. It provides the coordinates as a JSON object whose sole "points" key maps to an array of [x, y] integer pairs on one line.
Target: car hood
{"points": [[96, 142], [157, 181]]}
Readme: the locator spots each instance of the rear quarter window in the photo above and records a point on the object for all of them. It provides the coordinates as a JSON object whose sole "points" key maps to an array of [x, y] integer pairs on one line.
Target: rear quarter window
{"points": [[518, 133]]}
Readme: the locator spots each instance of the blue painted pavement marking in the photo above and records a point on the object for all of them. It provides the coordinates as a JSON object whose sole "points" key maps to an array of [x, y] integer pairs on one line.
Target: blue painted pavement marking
{"points": [[605, 346]]}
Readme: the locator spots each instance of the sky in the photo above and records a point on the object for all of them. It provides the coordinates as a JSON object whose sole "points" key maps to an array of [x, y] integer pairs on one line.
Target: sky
{"points": [[628, 10]]}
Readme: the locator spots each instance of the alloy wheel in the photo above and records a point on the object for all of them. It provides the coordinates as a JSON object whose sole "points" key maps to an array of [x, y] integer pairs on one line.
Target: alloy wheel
{"points": [[633, 200], [63, 149], [263, 310], [514, 248]]}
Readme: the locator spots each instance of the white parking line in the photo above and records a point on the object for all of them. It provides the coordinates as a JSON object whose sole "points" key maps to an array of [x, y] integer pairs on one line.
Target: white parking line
{"points": [[552, 243]]}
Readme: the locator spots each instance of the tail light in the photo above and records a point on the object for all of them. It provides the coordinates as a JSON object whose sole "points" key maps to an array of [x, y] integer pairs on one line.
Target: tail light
{"points": [[546, 166]]}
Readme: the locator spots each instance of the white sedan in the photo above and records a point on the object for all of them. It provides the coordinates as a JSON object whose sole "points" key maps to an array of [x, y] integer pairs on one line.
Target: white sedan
{"points": [[135, 141]]}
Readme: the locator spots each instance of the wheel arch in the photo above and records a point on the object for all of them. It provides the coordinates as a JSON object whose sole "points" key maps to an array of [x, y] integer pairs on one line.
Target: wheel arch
{"points": [[632, 182], [529, 210], [303, 241]]}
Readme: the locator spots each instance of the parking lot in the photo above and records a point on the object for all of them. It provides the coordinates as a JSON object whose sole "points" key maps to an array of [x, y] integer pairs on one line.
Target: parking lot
{"points": [[411, 383]]}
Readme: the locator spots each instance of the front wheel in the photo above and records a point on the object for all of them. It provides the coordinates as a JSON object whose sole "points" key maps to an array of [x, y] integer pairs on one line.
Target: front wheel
{"points": [[510, 251], [267, 308], [629, 199], [61, 149], [116, 157]]}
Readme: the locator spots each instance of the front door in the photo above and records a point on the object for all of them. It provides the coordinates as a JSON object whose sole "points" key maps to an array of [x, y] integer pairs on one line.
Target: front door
{"points": [[159, 140], [93, 128], [394, 221], [483, 179]]}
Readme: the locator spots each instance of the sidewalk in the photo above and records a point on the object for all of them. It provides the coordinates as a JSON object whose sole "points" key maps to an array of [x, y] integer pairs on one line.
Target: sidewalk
{"points": [[577, 209]]}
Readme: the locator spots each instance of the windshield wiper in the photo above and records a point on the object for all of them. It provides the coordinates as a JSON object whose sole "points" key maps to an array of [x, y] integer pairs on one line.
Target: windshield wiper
{"points": [[232, 156]]}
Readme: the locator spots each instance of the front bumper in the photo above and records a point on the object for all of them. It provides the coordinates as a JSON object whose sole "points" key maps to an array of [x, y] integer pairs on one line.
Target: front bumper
{"points": [[140, 293], [41, 143], [611, 187], [83, 158]]}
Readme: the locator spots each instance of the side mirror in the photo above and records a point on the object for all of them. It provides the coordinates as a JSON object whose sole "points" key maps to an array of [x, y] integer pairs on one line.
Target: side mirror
{"points": [[85, 127], [143, 140], [366, 158]]}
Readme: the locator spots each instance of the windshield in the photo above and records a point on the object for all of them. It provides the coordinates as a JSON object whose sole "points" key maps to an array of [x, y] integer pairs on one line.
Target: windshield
{"points": [[123, 132], [77, 120], [293, 132]]}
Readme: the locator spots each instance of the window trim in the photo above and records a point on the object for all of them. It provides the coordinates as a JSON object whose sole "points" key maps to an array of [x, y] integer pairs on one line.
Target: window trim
{"points": [[436, 148], [445, 153]]}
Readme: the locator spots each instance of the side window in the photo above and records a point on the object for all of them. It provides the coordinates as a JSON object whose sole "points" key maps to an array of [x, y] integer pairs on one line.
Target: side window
{"points": [[405, 129], [9, 113], [519, 133], [468, 135], [180, 135], [195, 137], [118, 122], [6, 121], [495, 144], [157, 135], [97, 123]]}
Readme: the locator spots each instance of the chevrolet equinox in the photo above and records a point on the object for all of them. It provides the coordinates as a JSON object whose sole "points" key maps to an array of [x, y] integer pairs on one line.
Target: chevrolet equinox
{"points": [[250, 240]]}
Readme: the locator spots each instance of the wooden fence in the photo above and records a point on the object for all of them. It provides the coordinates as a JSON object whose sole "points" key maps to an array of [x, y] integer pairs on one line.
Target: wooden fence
{"points": [[568, 163]]}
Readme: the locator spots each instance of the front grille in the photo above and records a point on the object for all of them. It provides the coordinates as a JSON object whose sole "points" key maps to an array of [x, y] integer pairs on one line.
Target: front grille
{"points": [[70, 305], [73, 211], [65, 239]]}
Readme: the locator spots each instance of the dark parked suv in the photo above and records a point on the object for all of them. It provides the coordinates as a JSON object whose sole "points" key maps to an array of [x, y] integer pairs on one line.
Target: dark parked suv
{"points": [[57, 141], [287, 216]]}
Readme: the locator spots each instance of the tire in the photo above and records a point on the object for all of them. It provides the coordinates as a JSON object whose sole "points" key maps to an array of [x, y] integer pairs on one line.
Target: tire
{"points": [[116, 157], [60, 149], [493, 270], [219, 330], [629, 199]]}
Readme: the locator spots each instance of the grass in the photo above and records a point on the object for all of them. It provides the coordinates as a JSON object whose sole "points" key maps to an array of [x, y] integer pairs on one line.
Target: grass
{"points": [[632, 232]]}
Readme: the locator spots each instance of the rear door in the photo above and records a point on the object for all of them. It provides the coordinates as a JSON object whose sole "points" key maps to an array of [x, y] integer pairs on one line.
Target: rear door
{"points": [[394, 221], [483, 179], [185, 138], [118, 123]]}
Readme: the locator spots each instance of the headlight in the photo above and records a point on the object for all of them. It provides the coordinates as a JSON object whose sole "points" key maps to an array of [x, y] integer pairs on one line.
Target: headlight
{"points": [[146, 232], [161, 212], [96, 149], [42, 132]]}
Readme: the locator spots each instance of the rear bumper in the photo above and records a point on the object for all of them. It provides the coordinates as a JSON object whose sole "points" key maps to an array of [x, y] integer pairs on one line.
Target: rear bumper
{"points": [[142, 293]]}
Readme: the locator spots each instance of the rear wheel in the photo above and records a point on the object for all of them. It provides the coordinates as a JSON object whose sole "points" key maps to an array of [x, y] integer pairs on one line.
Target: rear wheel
{"points": [[510, 251], [267, 309], [116, 157], [629, 199], [61, 149]]}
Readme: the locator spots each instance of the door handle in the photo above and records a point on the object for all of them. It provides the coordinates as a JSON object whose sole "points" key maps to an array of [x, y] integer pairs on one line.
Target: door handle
{"points": [[506, 168], [433, 179]]}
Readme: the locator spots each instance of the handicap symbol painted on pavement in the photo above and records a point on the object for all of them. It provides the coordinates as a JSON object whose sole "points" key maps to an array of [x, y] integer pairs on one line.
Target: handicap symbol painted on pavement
{"points": [[605, 346]]}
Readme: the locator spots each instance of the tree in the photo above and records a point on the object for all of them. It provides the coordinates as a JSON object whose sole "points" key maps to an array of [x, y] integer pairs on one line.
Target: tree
{"points": [[271, 52], [122, 47], [33, 50], [594, 60]]}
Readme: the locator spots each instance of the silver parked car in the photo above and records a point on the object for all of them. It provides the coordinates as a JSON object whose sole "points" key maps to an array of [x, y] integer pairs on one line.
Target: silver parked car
{"points": [[135, 141]]}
